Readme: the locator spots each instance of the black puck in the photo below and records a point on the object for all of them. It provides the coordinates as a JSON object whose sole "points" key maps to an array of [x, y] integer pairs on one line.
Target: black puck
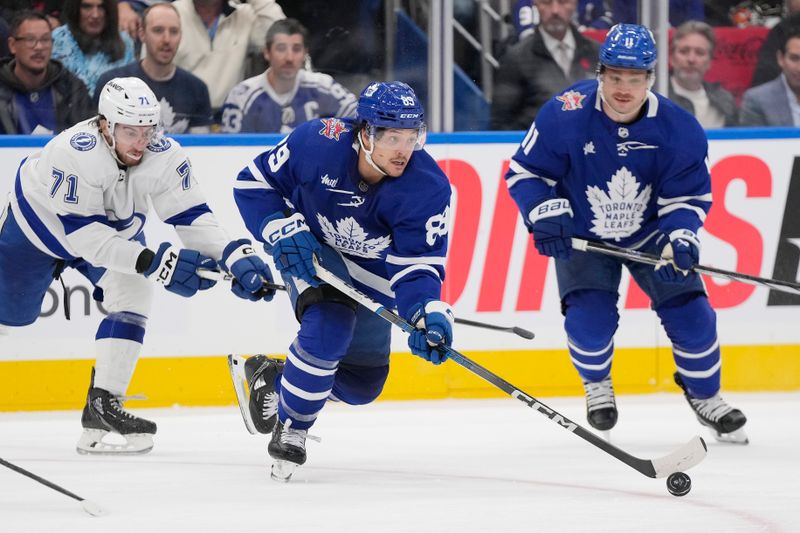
{"points": [[679, 484]]}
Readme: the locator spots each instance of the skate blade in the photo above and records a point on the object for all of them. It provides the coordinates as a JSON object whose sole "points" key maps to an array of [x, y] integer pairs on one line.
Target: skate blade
{"points": [[282, 470], [240, 386], [92, 443], [734, 437]]}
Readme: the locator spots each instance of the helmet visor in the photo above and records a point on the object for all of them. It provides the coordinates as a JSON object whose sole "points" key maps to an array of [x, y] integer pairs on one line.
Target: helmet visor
{"points": [[399, 139]]}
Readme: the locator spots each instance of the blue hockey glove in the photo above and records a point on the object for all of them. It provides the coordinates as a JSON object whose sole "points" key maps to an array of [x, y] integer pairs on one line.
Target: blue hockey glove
{"points": [[680, 251], [176, 269], [552, 227], [248, 269], [292, 246], [434, 323]]}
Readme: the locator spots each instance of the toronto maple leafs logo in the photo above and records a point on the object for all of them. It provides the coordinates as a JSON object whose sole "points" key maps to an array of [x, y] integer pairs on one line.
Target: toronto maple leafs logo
{"points": [[571, 100], [349, 237], [619, 213], [170, 120]]}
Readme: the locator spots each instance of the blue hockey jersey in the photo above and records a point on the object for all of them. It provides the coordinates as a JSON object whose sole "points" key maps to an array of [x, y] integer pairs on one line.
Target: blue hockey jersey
{"points": [[393, 235], [625, 181]]}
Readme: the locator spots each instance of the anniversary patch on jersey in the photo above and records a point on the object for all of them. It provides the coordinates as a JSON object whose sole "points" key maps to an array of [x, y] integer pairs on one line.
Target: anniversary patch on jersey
{"points": [[619, 213], [333, 128], [161, 144], [83, 141], [349, 237], [571, 100]]}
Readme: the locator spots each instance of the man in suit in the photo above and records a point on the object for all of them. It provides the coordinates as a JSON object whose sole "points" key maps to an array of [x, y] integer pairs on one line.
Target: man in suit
{"points": [[777, 102], [541, 65]]}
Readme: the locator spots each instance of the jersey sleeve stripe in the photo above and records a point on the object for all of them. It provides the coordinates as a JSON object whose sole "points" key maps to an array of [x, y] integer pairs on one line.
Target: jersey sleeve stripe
{"points": [[365, 277], [406, 271], [251, 185], [397, 260], [683, 199], [36, 224], [256, 172], [674, 207], [73, 223], [190, 215]]}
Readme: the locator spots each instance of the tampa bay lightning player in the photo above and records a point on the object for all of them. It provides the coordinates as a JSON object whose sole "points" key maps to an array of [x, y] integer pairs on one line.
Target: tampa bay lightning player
{"points": [[81, 202], [610, 160], [363, 197]]}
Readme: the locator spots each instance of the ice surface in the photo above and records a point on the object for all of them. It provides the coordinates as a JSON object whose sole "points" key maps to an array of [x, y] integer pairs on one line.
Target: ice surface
{"points": [[446, 466]]}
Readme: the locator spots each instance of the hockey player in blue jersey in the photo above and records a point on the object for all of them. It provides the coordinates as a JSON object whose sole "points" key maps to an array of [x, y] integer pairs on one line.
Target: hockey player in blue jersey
{"points": [[365, 199], [610, 160], [82, 202]]}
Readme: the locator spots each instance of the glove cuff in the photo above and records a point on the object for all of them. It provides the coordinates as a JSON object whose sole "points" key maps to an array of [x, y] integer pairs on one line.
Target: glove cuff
{"points": [[550, 208], [236, 250], [686, 235], [164, 265], [280, 228]]}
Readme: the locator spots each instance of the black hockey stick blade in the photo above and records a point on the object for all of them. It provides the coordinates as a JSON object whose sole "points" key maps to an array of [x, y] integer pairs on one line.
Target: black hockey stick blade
{"points": [[218, 275], [524, 333], [682, 459], [87, 505]]}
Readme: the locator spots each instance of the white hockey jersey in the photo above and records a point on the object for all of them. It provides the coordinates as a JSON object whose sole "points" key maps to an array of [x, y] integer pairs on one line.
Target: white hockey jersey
{"points": [[72, 199]]}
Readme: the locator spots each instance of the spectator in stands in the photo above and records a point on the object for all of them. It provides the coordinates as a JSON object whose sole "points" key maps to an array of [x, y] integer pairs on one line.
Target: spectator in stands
{"points": [[89, 43], [680, 11], [217, 36], [4, 35], [185, 106], [286, 95], [50, 8], [38, 95], [777, 102], [767, 64], [541, 65], [691, 51]]}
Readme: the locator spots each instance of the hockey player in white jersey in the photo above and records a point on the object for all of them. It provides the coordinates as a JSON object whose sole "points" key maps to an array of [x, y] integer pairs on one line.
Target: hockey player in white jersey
{"points": [[81, 202], [610, 160], [371, 205]]}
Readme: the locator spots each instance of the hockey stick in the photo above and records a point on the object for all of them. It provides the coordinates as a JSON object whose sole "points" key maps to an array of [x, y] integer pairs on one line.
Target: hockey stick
{"points": [[218, 275], [650, 259], [687, 456], [88, 506]]}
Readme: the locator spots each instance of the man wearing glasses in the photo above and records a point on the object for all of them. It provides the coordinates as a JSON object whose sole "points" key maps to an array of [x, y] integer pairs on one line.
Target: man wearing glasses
{"points": [[37, 94]]}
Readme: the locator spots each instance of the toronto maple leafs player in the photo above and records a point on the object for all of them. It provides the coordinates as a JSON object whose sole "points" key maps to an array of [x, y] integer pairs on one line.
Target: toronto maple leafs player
{"points": [[364, 198], [286, 95], [81, 202], [611, 160]]}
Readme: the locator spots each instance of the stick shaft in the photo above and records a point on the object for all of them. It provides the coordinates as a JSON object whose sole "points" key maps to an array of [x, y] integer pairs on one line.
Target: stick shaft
{"points": [[41, 480]]}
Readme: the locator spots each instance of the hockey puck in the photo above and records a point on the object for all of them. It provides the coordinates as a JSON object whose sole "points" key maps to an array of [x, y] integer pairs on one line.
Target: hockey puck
{"points": [[679, 484]]}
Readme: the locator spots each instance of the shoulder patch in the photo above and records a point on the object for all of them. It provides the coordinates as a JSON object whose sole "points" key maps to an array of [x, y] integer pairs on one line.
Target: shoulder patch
{"points": [[160, 145], [83, 141], [333, 128], [571, 100]]}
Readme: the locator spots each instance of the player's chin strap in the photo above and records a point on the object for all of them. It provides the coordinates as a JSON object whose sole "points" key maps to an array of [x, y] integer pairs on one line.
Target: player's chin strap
{"points": [[368, 153], [112, 146]]}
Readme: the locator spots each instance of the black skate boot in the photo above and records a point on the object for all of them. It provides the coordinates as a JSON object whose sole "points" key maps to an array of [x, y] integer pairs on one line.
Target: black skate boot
{"points": [[254, 383], [288, 448], [725, 422], [601, 407], [104, 414]]}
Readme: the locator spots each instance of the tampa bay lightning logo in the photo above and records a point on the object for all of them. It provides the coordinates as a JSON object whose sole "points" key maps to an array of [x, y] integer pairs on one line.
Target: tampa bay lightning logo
{"points": [[83, 141], [161, 144]]}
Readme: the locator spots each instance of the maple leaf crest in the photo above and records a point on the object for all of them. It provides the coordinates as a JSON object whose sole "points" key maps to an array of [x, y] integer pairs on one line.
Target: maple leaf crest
{"points": [[619, 213], [349, 237], [168, 116]]}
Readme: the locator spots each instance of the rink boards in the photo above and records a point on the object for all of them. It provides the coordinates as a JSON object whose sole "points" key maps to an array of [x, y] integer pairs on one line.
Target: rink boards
{"points": [[494, 275]]}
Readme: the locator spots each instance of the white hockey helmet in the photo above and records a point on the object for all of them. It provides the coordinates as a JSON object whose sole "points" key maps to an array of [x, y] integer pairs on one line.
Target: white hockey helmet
{"points": [[129, 101]]}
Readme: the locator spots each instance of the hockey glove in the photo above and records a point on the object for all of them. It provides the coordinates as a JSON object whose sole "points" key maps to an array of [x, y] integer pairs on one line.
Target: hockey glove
{"points": [[292, 246], [176, 269], [434, 323], [552, 227], [680, 252], [248, 269]]}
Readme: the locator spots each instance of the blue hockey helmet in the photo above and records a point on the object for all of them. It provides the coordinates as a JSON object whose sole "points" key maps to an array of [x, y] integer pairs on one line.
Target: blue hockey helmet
{"points": [[629, 46], [390, 105]]}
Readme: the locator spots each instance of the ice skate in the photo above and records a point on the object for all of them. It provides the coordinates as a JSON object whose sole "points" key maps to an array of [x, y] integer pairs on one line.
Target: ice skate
{"points": [[725, 422], [601, 407], [288, 449], [102, 415], [254, 383]]}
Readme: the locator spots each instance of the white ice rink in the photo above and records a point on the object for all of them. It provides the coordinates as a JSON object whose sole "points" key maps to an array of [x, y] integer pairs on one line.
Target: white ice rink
{"points": [[456, 466]]}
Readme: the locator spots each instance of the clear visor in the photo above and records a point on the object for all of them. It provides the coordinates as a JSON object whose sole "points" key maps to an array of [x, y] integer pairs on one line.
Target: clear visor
{"points": [[399, 139], [134, 134]]}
